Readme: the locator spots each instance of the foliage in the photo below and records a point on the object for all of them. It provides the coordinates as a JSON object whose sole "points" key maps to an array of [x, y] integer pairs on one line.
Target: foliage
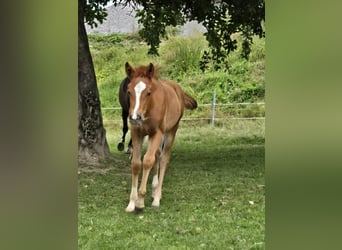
{"points": [[155, 17], [181, 55], [104, 41], [95, 11], [221, 19], [243, 81], [213, 194]]}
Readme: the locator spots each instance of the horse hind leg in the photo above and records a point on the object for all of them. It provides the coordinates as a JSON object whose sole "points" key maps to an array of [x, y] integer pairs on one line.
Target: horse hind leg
{"points": [[164, 162], [121, 145], [156, 170]]}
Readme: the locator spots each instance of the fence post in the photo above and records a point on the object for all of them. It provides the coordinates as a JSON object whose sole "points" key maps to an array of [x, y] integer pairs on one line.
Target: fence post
{"points": [[213, 109]]}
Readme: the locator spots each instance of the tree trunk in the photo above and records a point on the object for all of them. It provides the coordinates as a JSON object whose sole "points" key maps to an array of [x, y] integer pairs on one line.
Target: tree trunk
{"points": [[92, 143]]}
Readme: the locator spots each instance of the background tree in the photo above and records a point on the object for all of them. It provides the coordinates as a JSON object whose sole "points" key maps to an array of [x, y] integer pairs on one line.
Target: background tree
{"points": [[221, 18], [92, 142]]}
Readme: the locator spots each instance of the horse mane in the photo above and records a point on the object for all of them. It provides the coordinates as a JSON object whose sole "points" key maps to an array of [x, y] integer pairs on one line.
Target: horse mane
{"points": [[144, 71]]}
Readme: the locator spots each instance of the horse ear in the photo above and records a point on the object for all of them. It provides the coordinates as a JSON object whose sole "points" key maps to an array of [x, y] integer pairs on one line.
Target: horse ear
{"points": [[150, 71], [129, 70]]}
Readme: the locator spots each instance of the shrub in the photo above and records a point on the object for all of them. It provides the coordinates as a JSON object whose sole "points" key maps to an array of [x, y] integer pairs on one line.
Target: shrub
{"points": [[182, 55]]}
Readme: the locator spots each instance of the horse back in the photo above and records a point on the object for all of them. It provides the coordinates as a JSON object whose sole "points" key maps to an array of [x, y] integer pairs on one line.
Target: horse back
{"points": [[186, 100], [171, 104]]}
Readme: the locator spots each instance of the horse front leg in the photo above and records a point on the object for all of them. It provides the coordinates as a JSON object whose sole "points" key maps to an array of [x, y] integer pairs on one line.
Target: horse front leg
{"points": [[135, 167], [148, 162], [130, 147], [155, 172]]}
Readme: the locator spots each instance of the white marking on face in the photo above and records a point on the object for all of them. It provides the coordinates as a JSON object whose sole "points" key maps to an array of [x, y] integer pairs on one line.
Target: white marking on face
{"points": [[139, 88]]}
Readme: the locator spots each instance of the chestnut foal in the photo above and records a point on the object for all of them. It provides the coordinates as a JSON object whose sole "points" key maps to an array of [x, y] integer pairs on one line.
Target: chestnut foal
{"points": [[156, 107]]}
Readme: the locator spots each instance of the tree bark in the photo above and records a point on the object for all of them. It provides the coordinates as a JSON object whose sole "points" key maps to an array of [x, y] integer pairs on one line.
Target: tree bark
{"points": [[92, 142]]}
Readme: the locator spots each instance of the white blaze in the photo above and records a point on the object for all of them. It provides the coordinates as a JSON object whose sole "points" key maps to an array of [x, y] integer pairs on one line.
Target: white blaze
{"points": [[139, 88]]}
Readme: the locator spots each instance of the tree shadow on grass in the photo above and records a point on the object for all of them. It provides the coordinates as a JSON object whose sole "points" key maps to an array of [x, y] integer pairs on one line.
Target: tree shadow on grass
{"points": [[238, 151]]}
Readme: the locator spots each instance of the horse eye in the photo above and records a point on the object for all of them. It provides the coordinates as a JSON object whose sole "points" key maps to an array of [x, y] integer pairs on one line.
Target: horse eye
{"points": [[128, 93], [148, 93]]}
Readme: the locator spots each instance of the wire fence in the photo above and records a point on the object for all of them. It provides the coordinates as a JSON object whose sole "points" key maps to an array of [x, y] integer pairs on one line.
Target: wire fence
{"points": [[217, 112], [211, 113]]}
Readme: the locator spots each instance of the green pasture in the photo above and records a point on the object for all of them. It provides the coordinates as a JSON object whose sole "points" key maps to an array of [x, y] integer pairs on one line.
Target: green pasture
{"points": [[213, 193], [214, 189]]}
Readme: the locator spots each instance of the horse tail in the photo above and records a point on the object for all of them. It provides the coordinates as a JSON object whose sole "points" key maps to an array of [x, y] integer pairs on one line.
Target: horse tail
{"points": [[189, 102]]}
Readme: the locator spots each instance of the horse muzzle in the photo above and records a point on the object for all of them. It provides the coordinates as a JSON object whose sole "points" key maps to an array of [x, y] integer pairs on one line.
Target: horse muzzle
{"points": [[136, 120]]}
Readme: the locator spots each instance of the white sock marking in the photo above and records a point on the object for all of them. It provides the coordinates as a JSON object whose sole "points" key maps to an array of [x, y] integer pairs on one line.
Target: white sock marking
{"points": [[155, 181], [133, 198]]}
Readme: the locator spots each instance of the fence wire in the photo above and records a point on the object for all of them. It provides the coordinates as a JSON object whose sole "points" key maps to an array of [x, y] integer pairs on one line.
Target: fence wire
{"points": [[217, 112]]}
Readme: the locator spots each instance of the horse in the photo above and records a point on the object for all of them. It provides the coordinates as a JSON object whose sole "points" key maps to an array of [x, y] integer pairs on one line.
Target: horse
{"points": [[155, 111], [124, 103]]}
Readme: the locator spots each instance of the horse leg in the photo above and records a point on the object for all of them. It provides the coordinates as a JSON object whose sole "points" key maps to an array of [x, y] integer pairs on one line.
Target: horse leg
{"points": [[148, 162], [135, 166], [130, 147], [164, 163], [155, 170], [125, 129], [124, 116]]}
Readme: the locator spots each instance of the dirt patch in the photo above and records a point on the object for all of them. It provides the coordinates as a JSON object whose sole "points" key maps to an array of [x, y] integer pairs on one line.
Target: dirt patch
{"points": [[100, 167]]}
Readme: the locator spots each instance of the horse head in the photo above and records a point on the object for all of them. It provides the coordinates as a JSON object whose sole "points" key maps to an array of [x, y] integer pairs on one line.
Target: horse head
{"points": [[140, 90]]}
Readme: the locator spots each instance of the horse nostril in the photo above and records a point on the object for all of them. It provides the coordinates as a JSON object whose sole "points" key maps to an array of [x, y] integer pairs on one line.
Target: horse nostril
{"points": [[136, 118]]}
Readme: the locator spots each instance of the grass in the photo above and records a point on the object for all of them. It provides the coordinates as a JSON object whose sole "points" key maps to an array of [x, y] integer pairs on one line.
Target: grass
{"points": [[214, 190], [213, 194]]}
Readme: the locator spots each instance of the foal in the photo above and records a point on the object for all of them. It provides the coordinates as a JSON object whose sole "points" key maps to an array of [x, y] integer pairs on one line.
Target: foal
{"points": [[156, 108]]}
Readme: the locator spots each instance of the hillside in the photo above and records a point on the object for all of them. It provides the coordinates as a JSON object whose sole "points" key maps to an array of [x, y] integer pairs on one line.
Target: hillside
{"points": [[242, 81]]}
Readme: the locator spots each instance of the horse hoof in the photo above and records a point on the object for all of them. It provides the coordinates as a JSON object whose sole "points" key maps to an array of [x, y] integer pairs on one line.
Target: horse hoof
{"points": [[121, 146], [129, 150], [139, 209], [129, 209], [155, 204]]}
